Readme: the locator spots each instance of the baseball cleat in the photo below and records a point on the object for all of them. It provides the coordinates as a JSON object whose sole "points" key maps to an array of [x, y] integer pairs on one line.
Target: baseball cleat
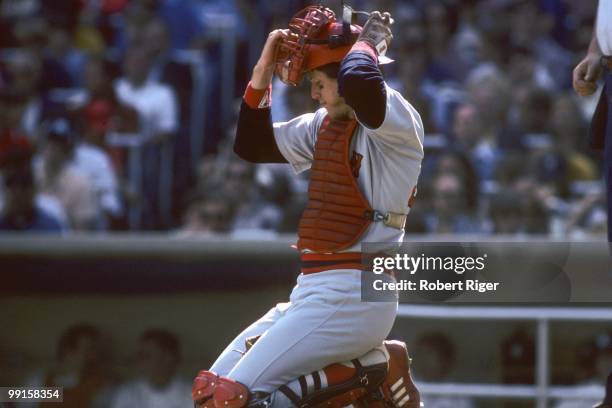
{"points": [[398, 389]]}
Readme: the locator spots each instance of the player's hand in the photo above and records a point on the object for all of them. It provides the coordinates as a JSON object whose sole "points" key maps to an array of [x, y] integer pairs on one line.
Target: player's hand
{"points": [[584, 77], [264, 69], [377, 31]]}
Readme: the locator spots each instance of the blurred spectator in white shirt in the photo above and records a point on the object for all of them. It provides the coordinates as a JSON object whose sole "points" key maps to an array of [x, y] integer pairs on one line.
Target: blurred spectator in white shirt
{"points": [[94, 163], [158, 112], [57, 177], [154, 102], [158, 385]]}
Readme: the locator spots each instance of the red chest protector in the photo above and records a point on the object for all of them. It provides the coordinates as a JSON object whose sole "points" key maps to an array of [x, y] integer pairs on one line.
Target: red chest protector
{"points": [[335, 216]]}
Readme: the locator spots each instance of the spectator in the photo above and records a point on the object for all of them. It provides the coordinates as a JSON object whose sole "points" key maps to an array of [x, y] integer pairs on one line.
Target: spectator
{"points": [[62, 12], [172, 70], [467, 48], [517, 363], [56, 176], [568, 129], [10, 117], [493, 19], [155, 103], [519, 210], [599, 369], [99, 110], [208, 215], [158, 385], [157, 109], [78, 369], [587, 216], [508, 213], [266, 212], [60, 50], [532, 27], [451, 213], [11, 12], [533, 110], [32, 35], [88, 33], [183, 22], [167, 69], [489, 90], [469, 137], [252, 212], [91, 161], [524, 69], [129, 29], [510, 169], [21, 210], [538, 201], [412, 68], [23, 71], [518, 357], [441, 23], [435, 364], [515, 177]]}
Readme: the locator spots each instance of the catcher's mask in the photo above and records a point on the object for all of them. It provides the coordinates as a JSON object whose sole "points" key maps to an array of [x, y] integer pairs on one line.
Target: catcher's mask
{"points": [[316, 39]]}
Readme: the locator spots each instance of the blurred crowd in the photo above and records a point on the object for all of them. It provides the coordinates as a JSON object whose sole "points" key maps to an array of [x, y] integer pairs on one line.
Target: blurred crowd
{"points": [[92, 376], [82, 368], [436, 361], [118, 115]]}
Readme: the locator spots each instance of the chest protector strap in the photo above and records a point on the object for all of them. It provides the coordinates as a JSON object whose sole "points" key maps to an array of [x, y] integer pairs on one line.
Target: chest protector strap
{"points": [[336, 214]]}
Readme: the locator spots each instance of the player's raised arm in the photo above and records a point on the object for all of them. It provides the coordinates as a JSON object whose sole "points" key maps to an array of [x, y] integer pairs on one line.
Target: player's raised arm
{"points": [[360, 80], [254, 134]]}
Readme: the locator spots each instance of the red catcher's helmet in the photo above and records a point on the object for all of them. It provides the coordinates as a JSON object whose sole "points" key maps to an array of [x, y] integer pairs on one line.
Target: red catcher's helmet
{"points": [[316, 39]]}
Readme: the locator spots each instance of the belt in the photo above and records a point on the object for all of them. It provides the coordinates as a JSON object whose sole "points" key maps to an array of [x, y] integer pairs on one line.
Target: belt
{"points": [[314, 263], [606, 62]]}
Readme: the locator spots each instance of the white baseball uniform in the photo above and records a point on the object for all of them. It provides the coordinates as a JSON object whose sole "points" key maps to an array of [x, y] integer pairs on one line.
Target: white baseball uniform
{"points": [[325, 320], [603, 27]]}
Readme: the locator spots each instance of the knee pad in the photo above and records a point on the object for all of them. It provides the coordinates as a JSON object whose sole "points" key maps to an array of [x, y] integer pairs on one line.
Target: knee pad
{"points": [[230, 394], [211, 391], [203, 386]]}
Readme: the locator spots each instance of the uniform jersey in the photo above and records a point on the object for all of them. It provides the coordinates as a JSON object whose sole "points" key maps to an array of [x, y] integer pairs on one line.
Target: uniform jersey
{"points": [[604, 26], [389, 158]]}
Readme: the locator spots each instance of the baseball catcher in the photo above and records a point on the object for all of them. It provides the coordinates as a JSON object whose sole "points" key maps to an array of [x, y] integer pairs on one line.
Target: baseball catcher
{"points": [[364, 147]]}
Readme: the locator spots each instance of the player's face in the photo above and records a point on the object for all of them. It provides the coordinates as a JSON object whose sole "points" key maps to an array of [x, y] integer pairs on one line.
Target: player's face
{"points": [[324, 90]]}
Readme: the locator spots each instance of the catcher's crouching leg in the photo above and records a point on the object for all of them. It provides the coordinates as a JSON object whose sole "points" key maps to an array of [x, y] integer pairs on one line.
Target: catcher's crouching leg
{"points": [[381, 377], [335, 386]]}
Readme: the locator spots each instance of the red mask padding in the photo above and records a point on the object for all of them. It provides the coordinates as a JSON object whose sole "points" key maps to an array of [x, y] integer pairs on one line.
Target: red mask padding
{"points": [[316, 39]]}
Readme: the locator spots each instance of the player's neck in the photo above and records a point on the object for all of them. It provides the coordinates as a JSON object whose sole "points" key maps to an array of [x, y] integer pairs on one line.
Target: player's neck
{"points": [[346, 115]]}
